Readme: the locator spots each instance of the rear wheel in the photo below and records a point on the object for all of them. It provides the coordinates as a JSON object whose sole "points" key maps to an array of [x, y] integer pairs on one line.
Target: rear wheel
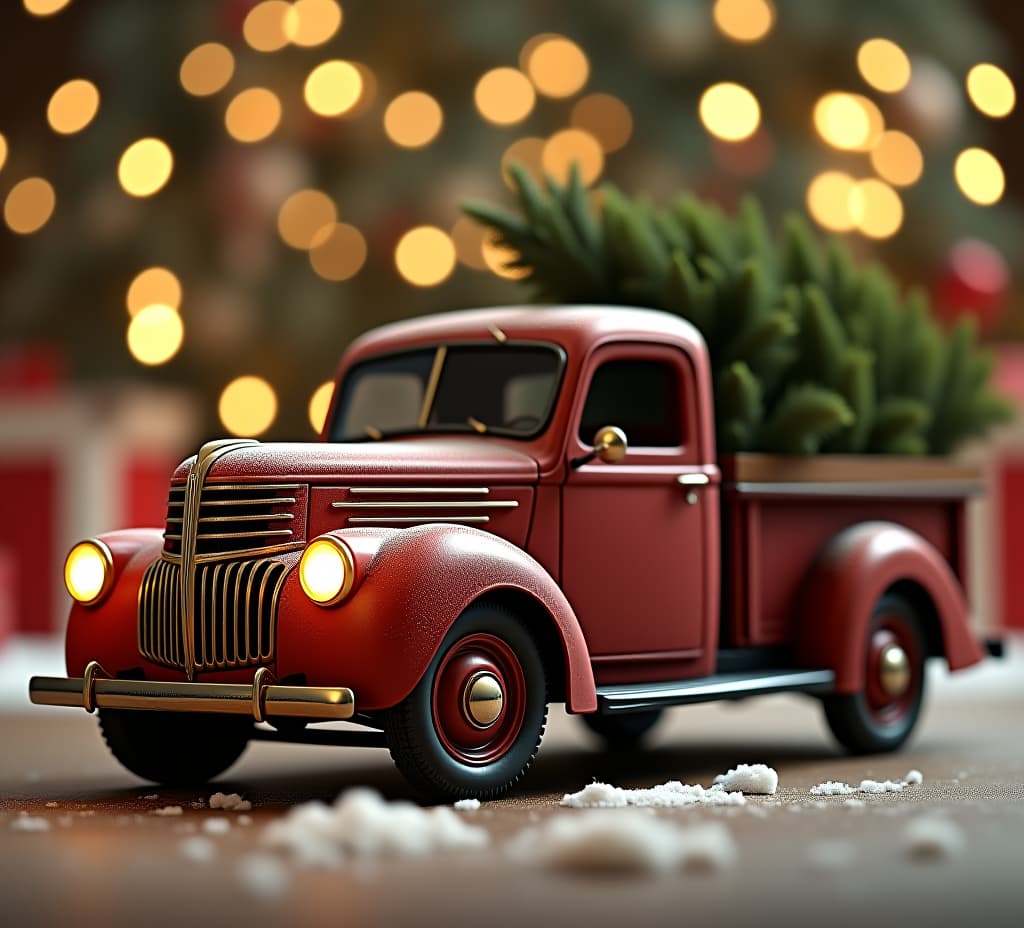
{"points": [[624, 731], [174, 748], [882, 716], [473, 724]]}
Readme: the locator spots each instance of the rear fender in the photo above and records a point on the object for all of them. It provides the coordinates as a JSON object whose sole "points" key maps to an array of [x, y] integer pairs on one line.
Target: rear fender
{"points": [[849, 577], [412, 585]]}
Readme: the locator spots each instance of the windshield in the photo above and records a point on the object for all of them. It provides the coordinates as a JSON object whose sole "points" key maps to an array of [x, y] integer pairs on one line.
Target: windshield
{"points": [[507, 390]]}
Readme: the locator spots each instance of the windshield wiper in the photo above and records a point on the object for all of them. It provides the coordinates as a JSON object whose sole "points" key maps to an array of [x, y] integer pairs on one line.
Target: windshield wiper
{"points": [[431, 391], [477, 425]]}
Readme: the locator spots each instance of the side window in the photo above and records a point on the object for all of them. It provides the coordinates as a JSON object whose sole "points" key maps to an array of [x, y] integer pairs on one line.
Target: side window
{"points": [[640, 397]]}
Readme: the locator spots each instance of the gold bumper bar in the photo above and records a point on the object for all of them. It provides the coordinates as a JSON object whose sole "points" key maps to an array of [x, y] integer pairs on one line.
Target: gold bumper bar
{"points": [[261, 699]]}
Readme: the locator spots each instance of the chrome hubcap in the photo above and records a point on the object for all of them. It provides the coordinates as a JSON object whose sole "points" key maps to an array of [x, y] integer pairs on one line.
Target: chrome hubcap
{"points": [[482, 700], [894, 670]]}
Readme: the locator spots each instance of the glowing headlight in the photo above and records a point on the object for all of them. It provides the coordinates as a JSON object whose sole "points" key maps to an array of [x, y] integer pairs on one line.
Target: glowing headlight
{"points": [[326, 571], [89, 571]]}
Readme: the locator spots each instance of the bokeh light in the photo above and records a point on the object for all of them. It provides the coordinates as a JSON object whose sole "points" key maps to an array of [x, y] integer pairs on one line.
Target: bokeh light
{"points": [[248, 406], [557, 66], [876, 208], [991, 90], [979, 176], [848, 121], [73, 106], [253, 115], [468, 237], [744, 20], [729, 111], [312, 22], [319, 404], [29, 205], [264, 26], [571, 146], [883, 65], [413, 119], [828, 200], [504, 96], [45, 7], [333, 88], [303, 215], [155, 334], [206, 69], [3, 150], [337, 252], [425, 256], [153, 285], [145, 167], [497, 256], [897, 158], [606, 118], [529, 152]]}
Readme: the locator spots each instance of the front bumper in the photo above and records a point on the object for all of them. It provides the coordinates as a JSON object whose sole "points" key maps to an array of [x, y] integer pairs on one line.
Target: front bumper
{"points": [[262, 699]]}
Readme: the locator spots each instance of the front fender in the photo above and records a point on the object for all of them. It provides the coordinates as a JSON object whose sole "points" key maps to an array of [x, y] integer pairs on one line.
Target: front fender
{"points": [[849, 577], [106, 632], [413, 584]]}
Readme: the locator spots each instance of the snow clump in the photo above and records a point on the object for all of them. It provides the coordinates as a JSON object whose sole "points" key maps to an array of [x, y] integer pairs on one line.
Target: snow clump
{"points": [[753, 779], [230, 802], [169, 810], [30, 823], [263, 875], [666, 795], [467, 805], [836, 788], [833, 788]]}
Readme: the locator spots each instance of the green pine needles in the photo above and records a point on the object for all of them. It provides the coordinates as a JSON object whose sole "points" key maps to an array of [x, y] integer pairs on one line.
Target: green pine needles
{"points": [[809, 352]]}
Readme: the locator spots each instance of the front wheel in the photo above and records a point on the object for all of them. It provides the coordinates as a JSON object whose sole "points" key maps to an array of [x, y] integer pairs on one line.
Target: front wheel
{"points": [[174, 748], [883, 714], [473, 724]]}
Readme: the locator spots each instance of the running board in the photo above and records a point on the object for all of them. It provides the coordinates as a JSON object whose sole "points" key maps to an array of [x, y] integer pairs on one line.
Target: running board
{"points": [[632, 697]]}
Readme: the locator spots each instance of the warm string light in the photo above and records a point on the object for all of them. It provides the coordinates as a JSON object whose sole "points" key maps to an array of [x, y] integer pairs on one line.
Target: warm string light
{"points": [[729, 111], [155, 334], [145, 167], [573, 146], [308, 23], [319, 404], [206, 69], [497, 257], [979, 176], [557, 66], [253, 115], [529, 152], [337, 252], [991, 90], [73, 106], [413, 119], [606, 118], [3, 150], [839, 203], [504, 96], [468, 237], [744, 20], [29, 205], [264, 26], [153, 285], [848, 121], [303, 215], [883, 65], [897, 158], [333, 88], [425, 256], [44, 7], [247, 406]]}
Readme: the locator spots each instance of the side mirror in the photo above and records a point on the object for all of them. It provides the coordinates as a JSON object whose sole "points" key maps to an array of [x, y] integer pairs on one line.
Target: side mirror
{"points": [[610, 446]]}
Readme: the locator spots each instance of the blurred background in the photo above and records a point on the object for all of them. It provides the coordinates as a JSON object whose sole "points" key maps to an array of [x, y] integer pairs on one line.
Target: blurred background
{"points": [[204, 202]]}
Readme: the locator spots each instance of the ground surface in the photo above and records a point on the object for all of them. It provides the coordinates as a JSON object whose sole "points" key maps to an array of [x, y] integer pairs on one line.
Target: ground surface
{"points": [[108, 858]]}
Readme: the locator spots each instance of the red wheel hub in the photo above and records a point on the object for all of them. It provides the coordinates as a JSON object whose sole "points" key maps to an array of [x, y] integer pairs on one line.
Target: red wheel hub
{"points": [[479, 699], [893, 670]]}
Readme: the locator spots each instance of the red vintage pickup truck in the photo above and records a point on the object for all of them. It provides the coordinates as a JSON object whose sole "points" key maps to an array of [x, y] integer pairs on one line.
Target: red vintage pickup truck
{"points": [[511, 507]]}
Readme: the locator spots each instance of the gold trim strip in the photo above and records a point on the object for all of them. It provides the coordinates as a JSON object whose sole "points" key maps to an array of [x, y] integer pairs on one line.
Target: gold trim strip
{"points": [[424, 504], [218, 556], [257, 501], [419, 491], [435, 379], [207, 536], [254, 486], [254, 517], [417, 520]]}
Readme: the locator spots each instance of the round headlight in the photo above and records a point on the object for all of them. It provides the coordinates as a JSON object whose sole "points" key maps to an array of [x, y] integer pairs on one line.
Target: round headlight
{"points": [[326, 571], [89, 571]]}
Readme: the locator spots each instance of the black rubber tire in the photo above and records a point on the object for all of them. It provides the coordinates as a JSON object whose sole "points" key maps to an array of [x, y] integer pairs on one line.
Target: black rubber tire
{"points": [[413, 739], [853, 723], [623, 731], [174, 748]]}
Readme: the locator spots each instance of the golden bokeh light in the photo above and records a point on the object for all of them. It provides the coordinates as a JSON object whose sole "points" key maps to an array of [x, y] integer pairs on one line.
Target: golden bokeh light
{"points": [[333, 88], [468, 238], [253, 115], [264, 27], [991, 90], [557, 66], [206, 69], [337, 252], [848, 121], [571, 146], [319, 404], [153, 285], [303, 215], [73, 106], [979, 176], [828, 201], [529, 152], [504, 96], [730, 111], [145, 167], [884, 65], [497, 256], [248, 406], [606, 118], [3, 150], [425, 256], [876, 208], [312, 22], [45, 7], [897, 158], [367, 90], [29, 205], [744, 20], [413, 119], [155, 334]]}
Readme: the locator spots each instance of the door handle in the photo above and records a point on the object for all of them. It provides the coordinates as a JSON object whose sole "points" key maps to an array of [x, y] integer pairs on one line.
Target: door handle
{"points": [[693, 480]]}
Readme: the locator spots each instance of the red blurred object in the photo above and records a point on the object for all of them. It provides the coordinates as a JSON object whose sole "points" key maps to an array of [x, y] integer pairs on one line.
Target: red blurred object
{"points": [[975, 281], [31, 369], [8, 594], [748, 158]]}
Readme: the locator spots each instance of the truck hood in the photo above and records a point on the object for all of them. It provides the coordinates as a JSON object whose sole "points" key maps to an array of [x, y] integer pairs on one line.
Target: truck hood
{"points": [[419, 458]]}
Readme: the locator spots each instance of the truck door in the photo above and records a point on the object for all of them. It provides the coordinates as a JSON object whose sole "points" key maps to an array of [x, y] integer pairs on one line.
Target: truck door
{"points": [[639, 542]]}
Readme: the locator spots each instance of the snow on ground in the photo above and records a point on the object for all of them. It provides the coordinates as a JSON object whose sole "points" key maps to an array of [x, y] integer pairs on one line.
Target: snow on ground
{"points": [[753, 779], [835, 788], [931, 837], [30, 823], [666, 795]]}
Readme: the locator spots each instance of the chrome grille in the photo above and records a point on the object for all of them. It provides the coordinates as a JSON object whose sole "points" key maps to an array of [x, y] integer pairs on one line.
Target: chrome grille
{"points": [[238, 518], [235, 613]]}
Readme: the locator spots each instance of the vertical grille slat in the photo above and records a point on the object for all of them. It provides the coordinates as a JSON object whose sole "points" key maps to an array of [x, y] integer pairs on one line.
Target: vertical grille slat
{"points": [[236, 610]]}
